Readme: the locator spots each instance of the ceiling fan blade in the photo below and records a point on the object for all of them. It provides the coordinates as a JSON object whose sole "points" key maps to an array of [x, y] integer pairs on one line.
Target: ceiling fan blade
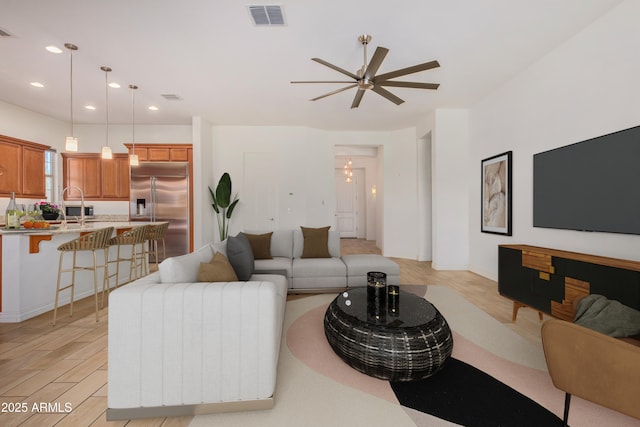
{"points": [[383, 92], [413, 85], [335, 67], [335, 91], [408, 70], [358, 98], [375, 62], [322, 81]]}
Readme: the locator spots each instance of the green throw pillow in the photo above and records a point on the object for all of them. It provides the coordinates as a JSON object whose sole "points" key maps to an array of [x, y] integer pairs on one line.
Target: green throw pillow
{"points": [[219, 269], [316, 242]]}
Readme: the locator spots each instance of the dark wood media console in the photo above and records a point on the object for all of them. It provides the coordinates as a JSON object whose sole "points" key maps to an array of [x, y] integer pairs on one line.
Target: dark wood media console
{"points": [[549, 280]]}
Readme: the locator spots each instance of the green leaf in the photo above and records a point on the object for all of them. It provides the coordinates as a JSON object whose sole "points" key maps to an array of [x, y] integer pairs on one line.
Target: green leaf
{"points": [[231, 207], [223, 191], [215, 203]]}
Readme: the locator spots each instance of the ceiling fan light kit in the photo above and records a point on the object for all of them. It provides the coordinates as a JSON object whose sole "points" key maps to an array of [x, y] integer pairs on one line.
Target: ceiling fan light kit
{"points": [[366, 79]]}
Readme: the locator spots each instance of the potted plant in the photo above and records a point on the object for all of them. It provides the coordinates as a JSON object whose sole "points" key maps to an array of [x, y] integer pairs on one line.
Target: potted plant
{"points": [[50, 211], [222, 204]]}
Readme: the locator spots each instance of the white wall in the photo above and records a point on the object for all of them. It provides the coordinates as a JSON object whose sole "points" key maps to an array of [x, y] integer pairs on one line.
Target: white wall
{"points": [[400, 196], [304, 173], [203, 216], [423, 161], [585, 88], [24, 124], [450, 203]]}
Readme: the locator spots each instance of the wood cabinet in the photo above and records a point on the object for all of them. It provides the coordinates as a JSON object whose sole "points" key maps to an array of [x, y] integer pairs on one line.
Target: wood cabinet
{"points": [[99, 179], [162, 152], [115, 177], [549, 280], [22, 168]]}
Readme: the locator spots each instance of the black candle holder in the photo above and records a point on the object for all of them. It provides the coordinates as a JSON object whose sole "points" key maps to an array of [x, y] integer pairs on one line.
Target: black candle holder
{"points": [[393, 300], [376, 296]]}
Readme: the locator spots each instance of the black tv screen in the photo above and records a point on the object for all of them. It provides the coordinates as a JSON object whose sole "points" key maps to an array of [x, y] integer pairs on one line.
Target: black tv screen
{"points": [[592, 185]]}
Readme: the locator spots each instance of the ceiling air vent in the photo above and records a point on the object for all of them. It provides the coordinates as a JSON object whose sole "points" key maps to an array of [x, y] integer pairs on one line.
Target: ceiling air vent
{"points": [[171, 97], [267, 15]]}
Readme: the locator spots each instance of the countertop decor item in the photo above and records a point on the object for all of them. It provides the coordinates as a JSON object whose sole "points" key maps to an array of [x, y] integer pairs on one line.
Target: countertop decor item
{"points": [[48, 208], [50, 216]]}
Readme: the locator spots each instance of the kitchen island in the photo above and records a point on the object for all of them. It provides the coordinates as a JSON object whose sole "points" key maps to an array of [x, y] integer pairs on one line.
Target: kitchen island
{"points": [[29, 268]]}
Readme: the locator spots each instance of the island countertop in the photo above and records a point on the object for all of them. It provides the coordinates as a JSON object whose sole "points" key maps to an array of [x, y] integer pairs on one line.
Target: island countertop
{"points": [[77, 228], [30, 263]]}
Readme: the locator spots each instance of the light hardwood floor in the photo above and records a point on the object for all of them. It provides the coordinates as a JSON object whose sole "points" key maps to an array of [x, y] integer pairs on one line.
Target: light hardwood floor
{"points": [[67, 364]]}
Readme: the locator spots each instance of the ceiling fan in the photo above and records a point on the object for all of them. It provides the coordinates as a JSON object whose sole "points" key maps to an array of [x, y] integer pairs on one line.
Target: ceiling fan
{"points": [[365, 78]]}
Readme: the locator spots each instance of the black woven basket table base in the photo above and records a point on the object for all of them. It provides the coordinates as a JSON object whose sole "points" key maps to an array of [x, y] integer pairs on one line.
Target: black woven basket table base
{"points": [[411, 345]]}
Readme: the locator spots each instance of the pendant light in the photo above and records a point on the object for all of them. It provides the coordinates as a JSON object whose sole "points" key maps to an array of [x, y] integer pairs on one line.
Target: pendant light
{"points": [[133, 157], [348, 170], [71, 142], [106, 150]]}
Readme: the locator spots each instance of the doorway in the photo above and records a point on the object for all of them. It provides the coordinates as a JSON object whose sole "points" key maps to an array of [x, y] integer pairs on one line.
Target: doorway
{"points": [[350, 204]]}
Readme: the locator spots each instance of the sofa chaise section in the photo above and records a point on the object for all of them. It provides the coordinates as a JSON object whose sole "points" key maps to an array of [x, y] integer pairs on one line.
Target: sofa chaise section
{"points": [[191, 348]]}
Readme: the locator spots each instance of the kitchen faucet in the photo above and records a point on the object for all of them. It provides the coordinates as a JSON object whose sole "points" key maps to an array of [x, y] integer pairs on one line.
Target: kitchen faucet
{"points": [[64, 213]]}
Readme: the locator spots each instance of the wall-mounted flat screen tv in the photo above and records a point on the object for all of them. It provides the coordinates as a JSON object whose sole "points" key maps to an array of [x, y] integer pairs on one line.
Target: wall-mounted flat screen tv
{"points": [[592, 185]]}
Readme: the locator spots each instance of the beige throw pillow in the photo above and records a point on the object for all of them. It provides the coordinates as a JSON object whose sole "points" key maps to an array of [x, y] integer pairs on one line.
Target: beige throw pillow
{"points": [[316, 242], [219, 269]]}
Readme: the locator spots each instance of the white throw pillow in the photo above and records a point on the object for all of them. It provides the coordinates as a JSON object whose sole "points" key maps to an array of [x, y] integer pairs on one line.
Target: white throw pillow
{"points": [[184, 268], [220, 247]]}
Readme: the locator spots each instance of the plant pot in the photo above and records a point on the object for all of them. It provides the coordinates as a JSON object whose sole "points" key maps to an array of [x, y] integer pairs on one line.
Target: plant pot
{"points": [[50, 216]]}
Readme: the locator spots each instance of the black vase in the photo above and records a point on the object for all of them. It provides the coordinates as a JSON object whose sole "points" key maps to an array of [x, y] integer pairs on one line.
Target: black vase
{"points": [[50, 216], [376, 296]]}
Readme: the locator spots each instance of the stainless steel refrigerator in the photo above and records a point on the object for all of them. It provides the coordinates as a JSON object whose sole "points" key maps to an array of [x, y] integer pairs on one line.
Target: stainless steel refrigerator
{"points": [[160, 192]]}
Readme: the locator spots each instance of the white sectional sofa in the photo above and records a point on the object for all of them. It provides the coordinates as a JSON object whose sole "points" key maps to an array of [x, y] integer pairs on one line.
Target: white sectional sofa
{"points": [[180, 344], [320, 274], [185, 347]]}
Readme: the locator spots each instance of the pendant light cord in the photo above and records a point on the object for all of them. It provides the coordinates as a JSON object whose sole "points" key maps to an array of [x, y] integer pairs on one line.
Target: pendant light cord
{"points": [[106, 87], [71, 89], [133, 114]]}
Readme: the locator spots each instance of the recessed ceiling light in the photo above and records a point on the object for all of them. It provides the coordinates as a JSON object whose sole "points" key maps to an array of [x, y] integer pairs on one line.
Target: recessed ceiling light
{"points": [[89, 107], [153, 108], [54, 49], [114, 85], [36, 84]]}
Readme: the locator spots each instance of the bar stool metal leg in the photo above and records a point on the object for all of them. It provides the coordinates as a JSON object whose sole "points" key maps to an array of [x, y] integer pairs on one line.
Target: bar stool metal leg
{"points": [[90, 242]]}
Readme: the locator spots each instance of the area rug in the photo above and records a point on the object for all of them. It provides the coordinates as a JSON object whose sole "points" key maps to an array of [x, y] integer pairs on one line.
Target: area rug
{"points": [[316, 388]]}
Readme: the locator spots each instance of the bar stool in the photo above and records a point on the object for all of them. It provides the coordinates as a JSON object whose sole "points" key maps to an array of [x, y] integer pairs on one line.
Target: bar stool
{"points": [[96, 241], [157, 232], [133, 238]]}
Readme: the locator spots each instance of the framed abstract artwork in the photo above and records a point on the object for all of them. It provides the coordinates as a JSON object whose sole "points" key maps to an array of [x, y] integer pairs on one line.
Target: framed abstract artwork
{"points": [[497, 194]]}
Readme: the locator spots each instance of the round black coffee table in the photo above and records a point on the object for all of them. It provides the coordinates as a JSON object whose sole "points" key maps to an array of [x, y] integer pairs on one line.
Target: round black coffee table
{"points": [[411, 343]]}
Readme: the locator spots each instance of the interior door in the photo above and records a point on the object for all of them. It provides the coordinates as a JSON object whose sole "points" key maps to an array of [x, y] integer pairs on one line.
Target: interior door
{"points": [[346, 205], [260, 192]]}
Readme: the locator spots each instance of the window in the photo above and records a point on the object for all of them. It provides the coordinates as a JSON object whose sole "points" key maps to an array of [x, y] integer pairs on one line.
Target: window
{"points": [[49, 171]]}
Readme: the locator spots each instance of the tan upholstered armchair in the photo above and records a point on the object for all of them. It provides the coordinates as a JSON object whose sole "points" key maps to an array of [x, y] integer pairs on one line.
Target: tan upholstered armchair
{"points": [[592, 366]]}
